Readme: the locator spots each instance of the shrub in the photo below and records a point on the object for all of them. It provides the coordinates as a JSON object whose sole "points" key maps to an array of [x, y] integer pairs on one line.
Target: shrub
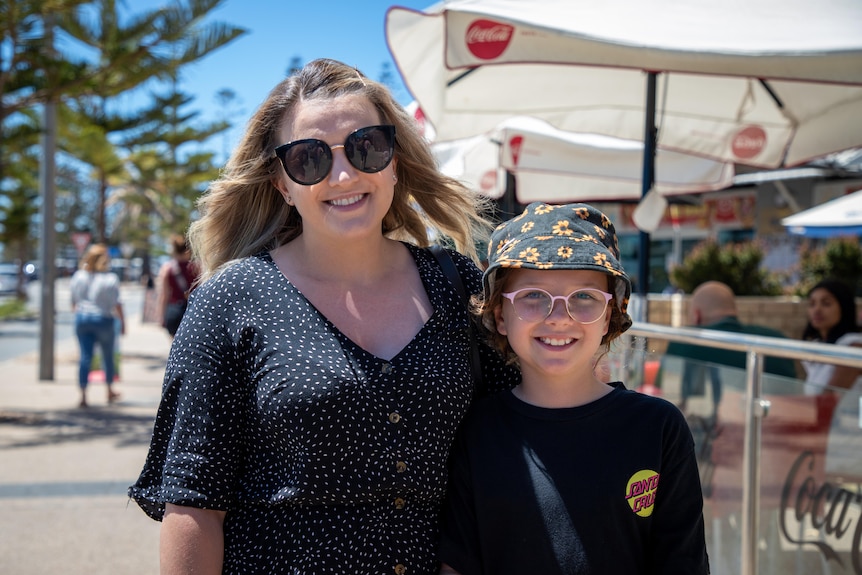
{"points": [[839, 258], [738, 265]]}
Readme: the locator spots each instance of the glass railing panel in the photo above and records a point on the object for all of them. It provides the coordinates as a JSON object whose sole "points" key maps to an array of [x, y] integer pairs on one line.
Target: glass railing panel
{"points": [[810, 468], [814, 526]]}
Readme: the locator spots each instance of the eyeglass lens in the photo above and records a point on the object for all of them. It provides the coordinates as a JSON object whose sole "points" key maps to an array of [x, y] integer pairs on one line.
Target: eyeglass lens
{"points": [[309, 161], [583, 305]]}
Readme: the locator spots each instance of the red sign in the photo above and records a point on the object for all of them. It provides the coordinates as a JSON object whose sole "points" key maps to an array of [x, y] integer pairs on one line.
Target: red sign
{"points": [[81, 241], [515, 146], [487, 39], [419, 116], [748, 142], [489, 181]]}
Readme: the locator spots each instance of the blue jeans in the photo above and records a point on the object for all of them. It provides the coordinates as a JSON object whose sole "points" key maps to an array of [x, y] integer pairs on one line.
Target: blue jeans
{"points": [[93, 329]]}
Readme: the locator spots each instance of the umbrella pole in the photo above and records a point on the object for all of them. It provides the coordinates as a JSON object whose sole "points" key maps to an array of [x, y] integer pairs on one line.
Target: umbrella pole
{"points": [[650, 137]]}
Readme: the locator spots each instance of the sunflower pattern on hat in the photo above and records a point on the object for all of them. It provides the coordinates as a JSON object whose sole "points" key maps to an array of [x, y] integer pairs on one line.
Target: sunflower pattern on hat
{"points": [[563, 237]]}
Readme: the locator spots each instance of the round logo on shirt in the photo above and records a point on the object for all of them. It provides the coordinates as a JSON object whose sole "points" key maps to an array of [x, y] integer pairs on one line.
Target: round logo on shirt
{"points": [[640, 491]]}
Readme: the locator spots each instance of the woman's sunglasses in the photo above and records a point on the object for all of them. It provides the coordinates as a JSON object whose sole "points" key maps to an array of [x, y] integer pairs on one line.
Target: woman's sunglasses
{"points": [[309, 161]]}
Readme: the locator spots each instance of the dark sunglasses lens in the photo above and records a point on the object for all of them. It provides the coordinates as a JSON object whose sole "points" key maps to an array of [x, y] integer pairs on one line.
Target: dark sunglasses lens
{"points": [[308, 161], [370, 149]]}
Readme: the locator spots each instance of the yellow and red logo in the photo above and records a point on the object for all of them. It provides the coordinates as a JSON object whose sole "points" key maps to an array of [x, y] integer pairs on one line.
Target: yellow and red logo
{"points": [[640, 492]]}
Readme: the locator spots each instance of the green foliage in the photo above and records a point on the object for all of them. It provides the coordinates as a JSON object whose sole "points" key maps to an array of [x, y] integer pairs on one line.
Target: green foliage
{"points": [[12, 308], [839, 258], [737, 265], [126, 47]]}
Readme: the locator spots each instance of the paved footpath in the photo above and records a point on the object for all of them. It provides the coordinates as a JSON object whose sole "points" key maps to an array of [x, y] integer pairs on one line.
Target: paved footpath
{"points": [[64, 471]]}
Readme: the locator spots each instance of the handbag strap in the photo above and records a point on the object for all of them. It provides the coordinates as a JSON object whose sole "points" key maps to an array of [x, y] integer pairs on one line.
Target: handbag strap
{"points": [[177, 271], [451, 273]]}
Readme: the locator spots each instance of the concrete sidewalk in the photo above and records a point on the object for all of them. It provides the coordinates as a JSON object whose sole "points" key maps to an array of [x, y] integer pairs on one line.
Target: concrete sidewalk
{"points": [[64, 471]]}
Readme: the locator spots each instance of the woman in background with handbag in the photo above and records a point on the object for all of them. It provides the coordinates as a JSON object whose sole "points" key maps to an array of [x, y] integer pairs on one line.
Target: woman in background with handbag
{"points": [[176, 279]]}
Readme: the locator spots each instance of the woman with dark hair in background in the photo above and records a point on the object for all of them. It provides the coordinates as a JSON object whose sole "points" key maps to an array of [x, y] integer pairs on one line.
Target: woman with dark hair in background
{"points": [[831, 319], [176, 279]]}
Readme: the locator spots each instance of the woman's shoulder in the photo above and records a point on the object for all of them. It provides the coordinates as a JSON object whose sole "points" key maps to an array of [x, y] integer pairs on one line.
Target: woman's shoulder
{"points": [[853, 338], [470, 273], [247, 274]]}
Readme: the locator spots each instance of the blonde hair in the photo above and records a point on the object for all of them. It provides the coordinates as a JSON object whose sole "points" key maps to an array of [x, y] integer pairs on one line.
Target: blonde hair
{"points": [[96, 258], [243, 213]]}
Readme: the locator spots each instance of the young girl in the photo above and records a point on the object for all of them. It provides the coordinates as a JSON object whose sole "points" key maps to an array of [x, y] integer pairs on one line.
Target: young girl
{"points": [[566, 473]]}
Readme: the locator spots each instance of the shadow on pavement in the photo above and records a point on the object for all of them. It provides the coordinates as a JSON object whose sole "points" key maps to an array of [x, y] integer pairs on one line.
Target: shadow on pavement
{"points": [[34, 429]]}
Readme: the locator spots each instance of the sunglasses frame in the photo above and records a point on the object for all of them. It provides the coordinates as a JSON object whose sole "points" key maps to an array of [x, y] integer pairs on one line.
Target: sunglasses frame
{"points": [[281, 152], [511, 297]]}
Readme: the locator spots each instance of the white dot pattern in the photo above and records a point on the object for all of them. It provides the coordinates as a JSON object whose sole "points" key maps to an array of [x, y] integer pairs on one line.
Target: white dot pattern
{"points": [[324, 456]]}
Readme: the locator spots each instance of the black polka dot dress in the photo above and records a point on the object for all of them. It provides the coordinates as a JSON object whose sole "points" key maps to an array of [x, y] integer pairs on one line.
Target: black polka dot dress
{"points": [[326, 458]]}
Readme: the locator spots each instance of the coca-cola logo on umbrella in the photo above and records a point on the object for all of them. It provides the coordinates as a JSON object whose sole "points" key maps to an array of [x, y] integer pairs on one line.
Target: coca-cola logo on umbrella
{"points": [[487, 39], [488, 181], [515, 143], [748, 142], [419, 116]]}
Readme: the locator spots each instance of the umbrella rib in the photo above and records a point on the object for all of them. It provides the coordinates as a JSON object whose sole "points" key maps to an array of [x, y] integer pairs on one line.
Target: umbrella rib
{"points": [[461, 76], [771, 92]]}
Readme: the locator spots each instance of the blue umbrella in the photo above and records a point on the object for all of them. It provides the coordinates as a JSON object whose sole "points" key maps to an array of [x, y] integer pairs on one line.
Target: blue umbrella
{"points": [[839, 217]]}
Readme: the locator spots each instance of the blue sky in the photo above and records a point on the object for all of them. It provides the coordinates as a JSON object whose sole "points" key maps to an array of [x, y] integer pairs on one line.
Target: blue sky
{"points": [[348, 30]]}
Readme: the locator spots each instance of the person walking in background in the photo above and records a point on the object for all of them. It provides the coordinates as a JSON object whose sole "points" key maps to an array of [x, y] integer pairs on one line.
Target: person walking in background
{"points": [[831, 319], [567, 473], [95, 293], [176, 279], [316, 382]]}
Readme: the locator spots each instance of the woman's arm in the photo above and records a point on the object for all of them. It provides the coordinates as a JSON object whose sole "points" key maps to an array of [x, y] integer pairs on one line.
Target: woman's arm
{"points": [[446, 570], [118, 310], [191, 541], [163, 288], [845, 376]]}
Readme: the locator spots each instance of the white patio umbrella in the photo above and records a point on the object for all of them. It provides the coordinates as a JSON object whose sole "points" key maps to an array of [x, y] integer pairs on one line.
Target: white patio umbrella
{"points": [[763, 82], [556, 166], [839, 217]]}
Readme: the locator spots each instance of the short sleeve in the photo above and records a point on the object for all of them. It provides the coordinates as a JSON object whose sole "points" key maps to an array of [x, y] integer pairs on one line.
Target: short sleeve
{"points": [[197, 443]]}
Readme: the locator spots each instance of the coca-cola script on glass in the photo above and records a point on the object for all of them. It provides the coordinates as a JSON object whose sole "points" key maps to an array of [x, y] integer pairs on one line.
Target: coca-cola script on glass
{"points": [[829, 507], [487, 39]]}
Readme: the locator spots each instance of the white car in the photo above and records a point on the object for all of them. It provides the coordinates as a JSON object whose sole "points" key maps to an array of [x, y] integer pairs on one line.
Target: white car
{"points": [[8, 279]]}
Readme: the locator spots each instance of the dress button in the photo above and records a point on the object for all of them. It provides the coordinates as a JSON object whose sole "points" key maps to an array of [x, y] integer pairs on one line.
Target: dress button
{"points": [[400, 569], [394, 417], [399, 503], [400, 467], [386, 368]]}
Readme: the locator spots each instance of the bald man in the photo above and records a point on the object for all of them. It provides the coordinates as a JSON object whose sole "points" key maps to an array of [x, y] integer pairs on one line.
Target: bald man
{"points": [[713, 306]]}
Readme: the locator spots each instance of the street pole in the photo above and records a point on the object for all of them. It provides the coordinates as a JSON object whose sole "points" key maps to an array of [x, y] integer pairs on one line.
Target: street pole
{"points": [[48, 235]]}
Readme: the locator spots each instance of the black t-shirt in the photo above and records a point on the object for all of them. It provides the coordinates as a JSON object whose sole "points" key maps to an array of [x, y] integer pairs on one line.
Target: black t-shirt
{"points": [[609, 488]]}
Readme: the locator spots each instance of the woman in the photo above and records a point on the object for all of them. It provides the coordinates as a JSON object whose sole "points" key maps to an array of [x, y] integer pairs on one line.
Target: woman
{"points": [[831, 319], [313, 390], [176, 279], [95, 292]]}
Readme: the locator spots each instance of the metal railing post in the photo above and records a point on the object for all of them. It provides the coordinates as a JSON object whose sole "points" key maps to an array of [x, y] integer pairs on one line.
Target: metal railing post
{"points": [[755, 410]]}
